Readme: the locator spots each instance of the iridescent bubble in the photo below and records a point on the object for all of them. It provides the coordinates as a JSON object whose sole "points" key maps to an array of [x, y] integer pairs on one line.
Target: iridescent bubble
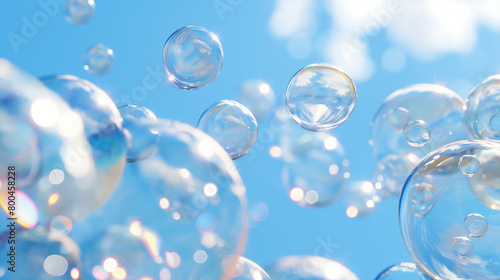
{"points": [[398, 117], [417, 133], [435, 199], [468, 165], [258, 97], [61, 225], [483, 109], [232, 125], [320, 97], [99, 59], [475, 225], [462, 247], [361, 198], [309, 267], [403, 271], [192, 57], [141, 143], [240, 268], [79, 11]]}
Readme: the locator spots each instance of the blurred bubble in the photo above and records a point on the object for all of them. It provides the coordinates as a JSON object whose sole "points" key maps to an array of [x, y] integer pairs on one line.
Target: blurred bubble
{"points": [[403, 271], [232, 125], [398, 117], [362, 196], [99, 59], [483, 109], [259, 211], [243, 269], [192, 57], [141, 143], [258, 97], [55, 265], [434, 201], [468, 165], [309, 268], [390, 173], [475, 225], [79, 11], [417, 133], [320, 97], [61, 225]]}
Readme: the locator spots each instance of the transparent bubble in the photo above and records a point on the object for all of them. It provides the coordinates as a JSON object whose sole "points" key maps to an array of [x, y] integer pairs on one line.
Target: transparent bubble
{"points": [[403, 271], [309, 268], [390, 173], [192, 57], [361, 198], [475, 225], [483, 109], [141, 143], [439, 107], [99, 59], [79, 11], [259, 211], [417, 133], [232, 125], [462, 247], [468, 165], [73, 153], [43, 255], [398, 117], [61, 225], [320, 97], [185, 198], [434, 201], [243, 269], [258, 97]]}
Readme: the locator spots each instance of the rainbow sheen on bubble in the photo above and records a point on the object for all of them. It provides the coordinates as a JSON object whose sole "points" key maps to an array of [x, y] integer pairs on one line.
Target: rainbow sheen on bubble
{"points": [[99, 59], [240, 268]]}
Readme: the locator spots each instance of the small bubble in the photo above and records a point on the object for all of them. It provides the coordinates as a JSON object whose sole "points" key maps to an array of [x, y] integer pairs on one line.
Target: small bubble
{"points": [[99, 59], [55, 265], [462, 247], [476, 225], [61, 225], [79, 11], [398, 118], [495, 124], [468, 165], [417, 133], [424, 197]]}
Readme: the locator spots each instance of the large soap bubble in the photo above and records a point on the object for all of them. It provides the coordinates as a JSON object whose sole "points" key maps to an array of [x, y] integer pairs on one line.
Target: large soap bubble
{"points": [[403, 271], [68, 153], [244, 269], [483, 109], [192, 57], [320, 97], [177, 212], [412, 122], [309, 268], [450, 221]]}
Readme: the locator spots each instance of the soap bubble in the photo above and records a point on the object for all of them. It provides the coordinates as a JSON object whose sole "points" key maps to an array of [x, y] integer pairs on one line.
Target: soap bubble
{"points": [[192, 57], [320, 97], [361, 197], [309, 268], [442, 111], [258, 97], [185, 198], [403, 271], [468, 165], [390, 173], [232, 125], [142, 143], [243, 269], [435, 205], [42, 255], [417, 133], [79, 11], [475, 225], [69, 154], [99, 59], [483, 109]]}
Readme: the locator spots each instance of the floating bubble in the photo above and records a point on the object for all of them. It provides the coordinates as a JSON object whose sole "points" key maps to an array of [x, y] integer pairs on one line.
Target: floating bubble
{"points": [[417, 133], [259, 211], [192, 57], [309, 267], [258, 97], [468, 165], [99, 59], [398, 117], [61, 225], [361, 198], [232, 125], [320, 97], [435, 199], [403, 271], [391, 172], [240, 268], [79, 11], [141, 143], [483, 109], [475, 225], [55, 265]]}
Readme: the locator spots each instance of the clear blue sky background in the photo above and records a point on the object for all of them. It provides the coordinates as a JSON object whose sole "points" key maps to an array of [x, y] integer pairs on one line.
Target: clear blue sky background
{"points": [[137, 30]]}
